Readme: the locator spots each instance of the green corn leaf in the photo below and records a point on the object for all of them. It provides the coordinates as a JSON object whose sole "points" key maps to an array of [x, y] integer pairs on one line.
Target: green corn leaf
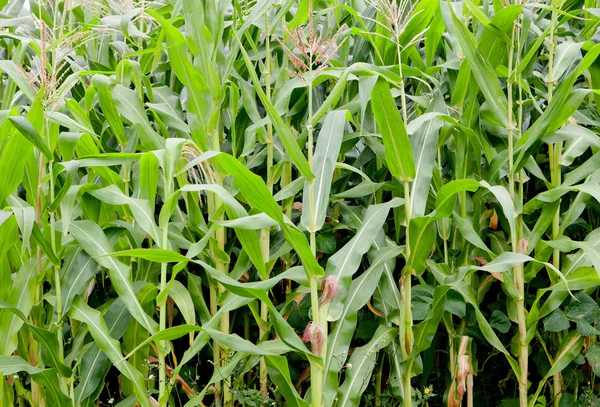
{"points": [[326, 153], [93, 319], [398, 152], [339, 340], [31, 134], [482, 72], [279, 372], [94, 363], [421, 240], [140, 208], [13, 71], [14, 154], [284, 132], [21, 297], [129, 105], [93, 240], [343, 264], [102, 85], [362, 363]]}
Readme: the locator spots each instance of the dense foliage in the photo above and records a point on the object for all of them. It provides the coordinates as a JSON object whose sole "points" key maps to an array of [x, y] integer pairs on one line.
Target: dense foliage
{"points": [[299, 203]]}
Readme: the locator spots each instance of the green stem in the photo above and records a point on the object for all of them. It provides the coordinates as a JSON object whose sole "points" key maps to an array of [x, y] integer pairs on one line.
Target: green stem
{"points": [[57, 285], [555, 152], [265, 235], [402, 91], [316, 371], [408, 399], [225, 321], [518, 271], [444, 225], [162, 369], [311, 185], [216, 349], [3, 391], [407, 277], [407, 294], [378, 381], [33, 348]]}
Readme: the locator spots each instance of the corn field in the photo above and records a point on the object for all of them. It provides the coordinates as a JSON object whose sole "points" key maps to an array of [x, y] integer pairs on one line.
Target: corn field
{"points": [[301, 203]]}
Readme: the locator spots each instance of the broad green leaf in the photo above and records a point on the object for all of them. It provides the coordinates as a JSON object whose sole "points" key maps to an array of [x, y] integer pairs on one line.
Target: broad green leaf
{"points": [[148, 178], [47, 377], [184, 302], [15, 364], [16, 74], [418, 21], [111, 347], [15, 152], [31, 134], [424, 332], [279, 373], [338, 342], [47, 339], [421, 240], [94, 363], [107, 159], [463, 289], [172, 154], [54, 394], [240, 344], [129, 105], [332, 98], [154, 255], [66, 121], [556, 322], [343, 264], [553, 117], [140, 208], [21, 297], [199, 103], [424, 145], [252, 222], [257, 194], [102, 85], [25, 216], [362, 363], [398, 151], [482, 72], [315, 197], [566, 53], [569, 350], [235, 210], [446, 196], [593, 357], [93, 240]]}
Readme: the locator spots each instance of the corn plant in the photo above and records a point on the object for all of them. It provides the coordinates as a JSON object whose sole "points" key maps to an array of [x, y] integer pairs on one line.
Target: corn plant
{"points": [[299, 203]]}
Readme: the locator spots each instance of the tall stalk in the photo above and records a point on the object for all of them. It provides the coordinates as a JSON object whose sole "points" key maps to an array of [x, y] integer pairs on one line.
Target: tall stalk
{"points": [[406, 278], [518, 271], [265, 234], [162, 369], [222, 267], [316, 371], [402, 91], [319, 324], [407, 284], [554, 154]]}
